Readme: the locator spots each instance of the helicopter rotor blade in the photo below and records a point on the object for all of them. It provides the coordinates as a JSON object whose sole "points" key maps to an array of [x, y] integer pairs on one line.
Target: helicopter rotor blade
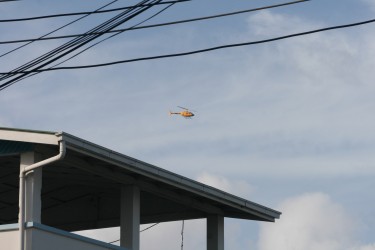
{"points": [[182, 108], [190, 110]]}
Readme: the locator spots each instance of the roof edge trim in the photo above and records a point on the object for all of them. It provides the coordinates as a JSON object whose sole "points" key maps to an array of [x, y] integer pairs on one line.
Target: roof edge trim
{"points": [[32, 136], [157, 173]]}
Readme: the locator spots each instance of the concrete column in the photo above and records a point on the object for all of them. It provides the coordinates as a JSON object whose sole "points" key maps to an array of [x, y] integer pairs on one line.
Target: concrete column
{"points": [[130, 217], [33, 188], [215, 232]]}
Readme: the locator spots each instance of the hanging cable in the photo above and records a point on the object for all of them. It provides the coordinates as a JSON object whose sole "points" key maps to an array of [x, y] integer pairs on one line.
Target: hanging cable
{"points": [[111, 242], [66, 45], [53, 31], [199, 51], [147, 228], [81, 13], [29, 75], [159, 24], [182, 235], [165, 8], [75, 43], [35, 73], [123, 17]]}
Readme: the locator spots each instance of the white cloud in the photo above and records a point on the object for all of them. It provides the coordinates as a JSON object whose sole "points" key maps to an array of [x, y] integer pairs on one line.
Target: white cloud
{"points": [[367, 247], [312, 221], [298, 108], [4, 122], [237, 187], [370, 3], [295, 107], [268, 23]]}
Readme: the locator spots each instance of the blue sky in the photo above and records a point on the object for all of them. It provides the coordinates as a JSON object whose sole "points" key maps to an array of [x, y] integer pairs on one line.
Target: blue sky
{"points": [[287, 124]]}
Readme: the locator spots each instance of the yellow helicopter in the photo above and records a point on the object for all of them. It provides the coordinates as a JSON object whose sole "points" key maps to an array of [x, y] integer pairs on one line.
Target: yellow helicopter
{"points": [[185, 113]]}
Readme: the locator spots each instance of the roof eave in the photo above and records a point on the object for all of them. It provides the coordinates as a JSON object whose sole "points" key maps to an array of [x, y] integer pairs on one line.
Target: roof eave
{"points": [[31, 136], [77, 144]]}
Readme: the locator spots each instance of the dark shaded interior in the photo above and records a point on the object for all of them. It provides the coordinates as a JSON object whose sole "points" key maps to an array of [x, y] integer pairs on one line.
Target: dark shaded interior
{"points": [[82, 192]]}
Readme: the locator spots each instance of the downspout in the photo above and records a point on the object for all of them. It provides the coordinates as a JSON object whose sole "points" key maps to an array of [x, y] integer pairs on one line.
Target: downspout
{"points": [[23, 173]]}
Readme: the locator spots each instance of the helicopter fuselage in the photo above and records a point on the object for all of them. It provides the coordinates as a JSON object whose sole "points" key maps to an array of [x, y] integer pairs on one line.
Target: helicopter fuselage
{"points": [[185, 113]]}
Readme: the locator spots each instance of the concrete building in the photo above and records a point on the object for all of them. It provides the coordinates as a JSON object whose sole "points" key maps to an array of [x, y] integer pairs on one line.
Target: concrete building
{"points": [[62, 183]]}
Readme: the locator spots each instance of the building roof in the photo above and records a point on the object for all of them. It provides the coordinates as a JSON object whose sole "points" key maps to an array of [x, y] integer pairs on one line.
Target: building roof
{"points": [[82, 191]]}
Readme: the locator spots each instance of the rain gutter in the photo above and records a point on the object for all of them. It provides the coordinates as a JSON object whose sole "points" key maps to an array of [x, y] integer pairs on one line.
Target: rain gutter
{"points": [[23, 173]]}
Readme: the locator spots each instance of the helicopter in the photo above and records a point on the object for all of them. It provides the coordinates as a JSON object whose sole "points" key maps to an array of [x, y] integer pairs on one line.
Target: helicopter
{"points": [[185, 113]]}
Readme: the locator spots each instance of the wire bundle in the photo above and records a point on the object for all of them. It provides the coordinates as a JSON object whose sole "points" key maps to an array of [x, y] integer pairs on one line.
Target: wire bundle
{"points": [[76, 43], [60, 54], [43, 63]]}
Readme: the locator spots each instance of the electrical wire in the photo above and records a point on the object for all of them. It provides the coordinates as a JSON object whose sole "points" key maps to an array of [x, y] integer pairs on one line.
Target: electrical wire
{"points": [[111, 242], [52, 53], [35, 73], [81, 13], [147, 228], [100, 27], [74, 44], [3, 86], [201, 50], [160, 24], [53, 31], [182, 235], [165, 8]]}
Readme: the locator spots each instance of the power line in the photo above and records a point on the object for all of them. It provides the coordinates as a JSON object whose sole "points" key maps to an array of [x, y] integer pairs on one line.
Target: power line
{"points": [[182, 235], [160, 24], [165, 8], [75, 44], [113, 241], [147, 228], [124, 16], [53, 31], [72, 45], [97, 43], [35, 73], [82, 13], [201, 50]]}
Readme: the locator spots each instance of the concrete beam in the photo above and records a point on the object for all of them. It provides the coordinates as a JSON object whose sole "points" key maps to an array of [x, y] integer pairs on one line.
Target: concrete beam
{"points": [[130, 217], [215, 232]]}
